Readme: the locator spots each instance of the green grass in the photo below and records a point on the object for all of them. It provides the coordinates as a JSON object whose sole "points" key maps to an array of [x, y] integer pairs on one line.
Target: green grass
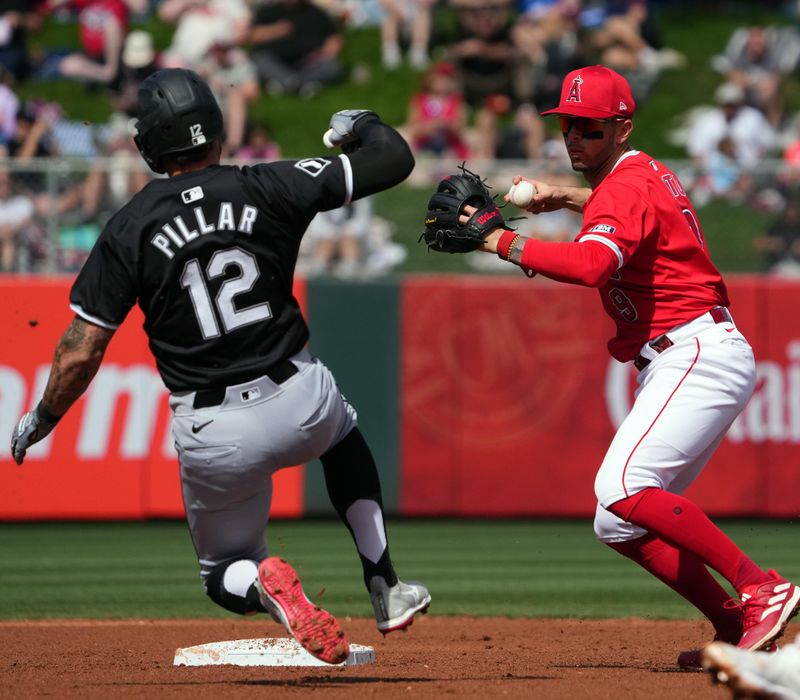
{"points": [[528, 568]]}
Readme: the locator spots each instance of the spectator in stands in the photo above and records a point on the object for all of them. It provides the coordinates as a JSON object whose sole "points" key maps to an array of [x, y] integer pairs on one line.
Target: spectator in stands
{"points": [[399, 14], [780, 244], [102, 26], [349, 242], [199, 25], [628, 39], [546, 34], [757, 59], [124, 174], [296, 47], [335, 240], [16, 214], [437, 118], [9, 106], [496, 80], [233, 79], [17, 19], [32, 137], [721, 176], [488, 61], [519, 138], [750, 132], [791, 156], [139, 59], [258, 145]]}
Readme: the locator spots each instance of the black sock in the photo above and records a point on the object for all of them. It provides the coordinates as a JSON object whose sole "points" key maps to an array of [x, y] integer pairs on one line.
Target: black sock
{"points": [[353, 485]]}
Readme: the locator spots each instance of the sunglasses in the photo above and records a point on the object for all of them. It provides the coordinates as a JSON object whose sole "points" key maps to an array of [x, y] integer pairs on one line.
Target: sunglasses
{"points": [[590, 128]]}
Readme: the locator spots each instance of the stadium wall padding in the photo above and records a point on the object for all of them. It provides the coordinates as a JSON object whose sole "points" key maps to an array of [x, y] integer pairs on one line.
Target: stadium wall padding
{"points": [[354, 330]]}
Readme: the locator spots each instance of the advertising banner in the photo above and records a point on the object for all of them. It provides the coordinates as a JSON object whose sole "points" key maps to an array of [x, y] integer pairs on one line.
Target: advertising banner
{"points": [[112, 455], [510, 399]]}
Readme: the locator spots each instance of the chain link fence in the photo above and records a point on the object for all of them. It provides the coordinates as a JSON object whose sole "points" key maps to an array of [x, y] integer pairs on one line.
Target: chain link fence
{"points": [[52, 210]]}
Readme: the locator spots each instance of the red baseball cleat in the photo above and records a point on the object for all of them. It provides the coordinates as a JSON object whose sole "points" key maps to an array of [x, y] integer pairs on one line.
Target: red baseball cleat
{"points": [[316, 629], [767, 609]]}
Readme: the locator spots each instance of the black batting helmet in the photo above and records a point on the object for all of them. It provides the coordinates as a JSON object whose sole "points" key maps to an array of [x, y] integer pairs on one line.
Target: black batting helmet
{"points": [[177, 112]]}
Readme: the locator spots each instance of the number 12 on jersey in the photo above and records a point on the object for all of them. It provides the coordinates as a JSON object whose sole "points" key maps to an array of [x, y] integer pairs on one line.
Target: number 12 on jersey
{"points": [[232, 318]]}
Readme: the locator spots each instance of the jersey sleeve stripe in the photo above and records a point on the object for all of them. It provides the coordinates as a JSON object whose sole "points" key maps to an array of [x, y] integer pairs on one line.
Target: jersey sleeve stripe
{"points": [[93, 319], [608, 243], [348, 179]]}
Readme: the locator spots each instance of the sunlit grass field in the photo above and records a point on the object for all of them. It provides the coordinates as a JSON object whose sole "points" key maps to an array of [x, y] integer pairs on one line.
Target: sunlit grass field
{"points": [[528, 568]]}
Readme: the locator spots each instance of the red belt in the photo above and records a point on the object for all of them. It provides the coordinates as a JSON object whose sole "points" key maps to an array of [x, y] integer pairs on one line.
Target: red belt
{"points": [[719, 314]]}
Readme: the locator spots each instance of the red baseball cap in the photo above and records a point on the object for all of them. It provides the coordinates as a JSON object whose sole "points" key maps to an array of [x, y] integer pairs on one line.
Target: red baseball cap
{"points": [[595, 92]]}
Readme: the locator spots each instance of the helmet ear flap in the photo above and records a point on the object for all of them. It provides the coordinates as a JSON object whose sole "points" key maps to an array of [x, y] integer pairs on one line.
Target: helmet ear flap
{"points": [[154, 166]]}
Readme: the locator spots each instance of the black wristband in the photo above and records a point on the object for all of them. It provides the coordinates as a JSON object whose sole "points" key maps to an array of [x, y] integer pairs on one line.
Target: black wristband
{"points": [[45, 415]]}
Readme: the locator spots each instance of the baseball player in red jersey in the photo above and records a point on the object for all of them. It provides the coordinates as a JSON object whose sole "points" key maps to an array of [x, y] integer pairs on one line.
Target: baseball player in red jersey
{"points": [[642, 247]]}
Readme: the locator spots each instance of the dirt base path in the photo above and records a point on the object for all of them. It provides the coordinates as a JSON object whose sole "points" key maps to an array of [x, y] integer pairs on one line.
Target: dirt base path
{"points": [[629, 659]]}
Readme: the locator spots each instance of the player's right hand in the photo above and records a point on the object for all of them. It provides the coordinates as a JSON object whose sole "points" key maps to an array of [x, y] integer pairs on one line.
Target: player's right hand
{"points": [[342, 127], [546, 198], [31, 428]]}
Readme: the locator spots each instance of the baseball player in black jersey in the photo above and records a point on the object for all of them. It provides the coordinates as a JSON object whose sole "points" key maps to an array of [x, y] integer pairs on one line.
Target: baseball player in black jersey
{"points": [[208, 253]]}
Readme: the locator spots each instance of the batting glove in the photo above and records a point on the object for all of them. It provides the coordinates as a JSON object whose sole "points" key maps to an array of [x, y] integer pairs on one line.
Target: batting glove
{"points": [[342, 127], [35, 425]]}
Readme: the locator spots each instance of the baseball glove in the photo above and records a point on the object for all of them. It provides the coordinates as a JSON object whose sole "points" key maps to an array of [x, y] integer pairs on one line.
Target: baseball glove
{"points": [[443, 232]]}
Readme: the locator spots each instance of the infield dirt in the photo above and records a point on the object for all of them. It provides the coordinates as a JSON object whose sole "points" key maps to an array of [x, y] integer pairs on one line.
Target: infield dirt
{"points": [[627, 659]]}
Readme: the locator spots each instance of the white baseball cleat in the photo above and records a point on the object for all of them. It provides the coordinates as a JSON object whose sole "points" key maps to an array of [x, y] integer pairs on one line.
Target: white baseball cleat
{"points": [[395, 606], [754, 674]]}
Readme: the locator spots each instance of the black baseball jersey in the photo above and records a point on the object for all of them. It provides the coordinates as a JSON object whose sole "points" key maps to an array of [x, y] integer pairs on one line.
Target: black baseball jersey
{"points": [[209, 256]]}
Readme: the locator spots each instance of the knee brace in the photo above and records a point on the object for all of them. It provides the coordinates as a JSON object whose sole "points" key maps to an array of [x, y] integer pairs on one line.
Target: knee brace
{"points": [[231, 585]]}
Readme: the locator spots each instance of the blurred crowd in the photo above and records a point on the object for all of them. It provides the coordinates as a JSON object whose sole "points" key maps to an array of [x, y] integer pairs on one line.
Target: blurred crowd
{"points": [[482, 72]]}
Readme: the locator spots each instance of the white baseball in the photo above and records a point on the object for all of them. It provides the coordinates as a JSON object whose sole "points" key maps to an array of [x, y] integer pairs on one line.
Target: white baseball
{"points": [[522, 193], [326, 139]]}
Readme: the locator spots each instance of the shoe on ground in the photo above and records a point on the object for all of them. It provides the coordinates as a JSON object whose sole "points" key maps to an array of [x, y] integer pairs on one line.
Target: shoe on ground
{"points": [[316, 629], [692, 659], [395, 606], [728, 628], [755, 674], [767, 608]]}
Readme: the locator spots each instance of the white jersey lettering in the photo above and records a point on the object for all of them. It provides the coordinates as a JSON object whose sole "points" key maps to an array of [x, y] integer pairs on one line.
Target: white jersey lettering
{"points": [[226, 221]]}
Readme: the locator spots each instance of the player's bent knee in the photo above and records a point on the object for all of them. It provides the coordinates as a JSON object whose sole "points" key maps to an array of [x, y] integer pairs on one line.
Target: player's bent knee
{"points": [[608, 528], [231, 585]]}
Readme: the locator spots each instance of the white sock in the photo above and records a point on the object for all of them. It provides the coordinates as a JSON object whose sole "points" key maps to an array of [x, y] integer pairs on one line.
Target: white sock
{"points": [[366, 522], [239, 576]]}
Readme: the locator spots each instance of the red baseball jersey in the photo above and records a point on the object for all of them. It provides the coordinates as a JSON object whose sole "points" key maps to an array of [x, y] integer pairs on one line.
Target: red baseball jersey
{"points": [[665, 276]]}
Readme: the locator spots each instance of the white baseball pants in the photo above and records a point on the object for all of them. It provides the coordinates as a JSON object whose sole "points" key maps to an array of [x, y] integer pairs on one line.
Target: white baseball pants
{"points": [[688, 396]]}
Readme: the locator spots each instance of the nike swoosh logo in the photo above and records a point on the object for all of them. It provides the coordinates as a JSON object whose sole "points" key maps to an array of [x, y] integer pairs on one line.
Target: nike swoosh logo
{"points": [[730, 330], [197, 428]]}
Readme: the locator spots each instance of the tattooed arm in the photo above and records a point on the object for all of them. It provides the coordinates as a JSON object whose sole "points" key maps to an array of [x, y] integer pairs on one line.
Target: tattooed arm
{"points": [[78, 356]]}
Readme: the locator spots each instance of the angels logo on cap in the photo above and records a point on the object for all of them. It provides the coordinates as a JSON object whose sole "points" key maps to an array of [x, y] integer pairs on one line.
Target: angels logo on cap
{"points": [[595, 92], [575, 90]]}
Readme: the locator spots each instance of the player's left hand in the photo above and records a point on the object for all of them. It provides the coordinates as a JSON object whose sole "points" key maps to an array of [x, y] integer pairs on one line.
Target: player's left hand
{"points": [[489, 243], [32, 427], [461, 214]]}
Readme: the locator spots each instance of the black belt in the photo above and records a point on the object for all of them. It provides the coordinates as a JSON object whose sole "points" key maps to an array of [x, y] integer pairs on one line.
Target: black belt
{"points": [[278, 373], [719, 314]]}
